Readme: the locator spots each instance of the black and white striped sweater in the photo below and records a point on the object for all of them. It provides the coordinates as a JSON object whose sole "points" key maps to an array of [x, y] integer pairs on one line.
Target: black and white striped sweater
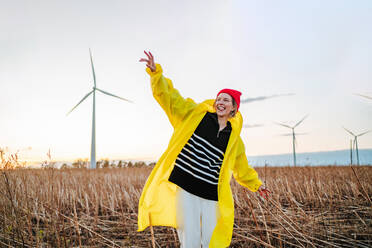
{"points": [[197, 167]]}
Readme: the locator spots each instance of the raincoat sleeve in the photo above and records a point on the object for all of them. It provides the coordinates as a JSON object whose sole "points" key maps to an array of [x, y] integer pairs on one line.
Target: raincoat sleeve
{"points": [[243, 173], [175, 106]]}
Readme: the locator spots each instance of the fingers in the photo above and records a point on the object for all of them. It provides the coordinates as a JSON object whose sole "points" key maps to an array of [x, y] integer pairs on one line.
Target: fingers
{"points": [[149, 55], [150, 63], [144, 60], [265, 193]]}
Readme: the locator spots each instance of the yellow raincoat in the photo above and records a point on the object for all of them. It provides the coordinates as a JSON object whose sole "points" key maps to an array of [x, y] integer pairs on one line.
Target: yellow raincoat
{"points": [[157, 205]]}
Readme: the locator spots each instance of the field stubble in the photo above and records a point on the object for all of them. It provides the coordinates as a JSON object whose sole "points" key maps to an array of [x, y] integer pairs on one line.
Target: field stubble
{"points": [[308, 207]]}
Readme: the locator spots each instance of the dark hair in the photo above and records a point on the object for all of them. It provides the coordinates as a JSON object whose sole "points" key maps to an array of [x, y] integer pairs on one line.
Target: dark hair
{"points": [[233, 113]]}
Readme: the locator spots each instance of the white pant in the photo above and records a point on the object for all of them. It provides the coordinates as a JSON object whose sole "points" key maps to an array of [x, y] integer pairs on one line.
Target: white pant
{"points": [[196, 219]]}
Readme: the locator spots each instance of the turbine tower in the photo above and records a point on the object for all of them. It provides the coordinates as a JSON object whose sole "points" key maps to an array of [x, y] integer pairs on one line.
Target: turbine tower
{"points": [[93, 144], [293, 136], [356, 141]]}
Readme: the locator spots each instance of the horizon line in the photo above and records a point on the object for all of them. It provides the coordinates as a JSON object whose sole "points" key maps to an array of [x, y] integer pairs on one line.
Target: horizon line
{"points": [[153, 159]]}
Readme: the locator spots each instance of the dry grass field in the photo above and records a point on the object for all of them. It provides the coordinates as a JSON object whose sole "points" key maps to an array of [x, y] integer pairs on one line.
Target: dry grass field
{"points": [[309, 207]]}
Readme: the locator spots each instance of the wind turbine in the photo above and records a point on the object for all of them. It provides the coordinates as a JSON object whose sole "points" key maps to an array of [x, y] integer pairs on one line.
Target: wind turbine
{"points": [[262, 98], [93, 144], [365, 96], [293, 135], [252, 125], [356, 141]]}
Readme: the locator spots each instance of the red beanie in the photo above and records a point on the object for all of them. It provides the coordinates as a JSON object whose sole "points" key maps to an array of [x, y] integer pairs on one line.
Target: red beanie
{"points": [[234, 94]]}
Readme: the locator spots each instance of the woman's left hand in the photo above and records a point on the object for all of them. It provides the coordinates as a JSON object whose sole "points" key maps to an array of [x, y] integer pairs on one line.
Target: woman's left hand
{"points": [[264, 192], [150, 62]]}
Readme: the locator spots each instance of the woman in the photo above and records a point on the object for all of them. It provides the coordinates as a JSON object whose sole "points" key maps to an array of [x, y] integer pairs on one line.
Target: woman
{"points": [[189, 187]]}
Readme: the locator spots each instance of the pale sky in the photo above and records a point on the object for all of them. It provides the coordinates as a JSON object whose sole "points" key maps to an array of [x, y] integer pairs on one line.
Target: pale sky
{"points": [[321, 51]]}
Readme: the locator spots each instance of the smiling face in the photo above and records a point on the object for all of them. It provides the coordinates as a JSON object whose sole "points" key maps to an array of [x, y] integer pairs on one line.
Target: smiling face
{"points": [[224, 105]]}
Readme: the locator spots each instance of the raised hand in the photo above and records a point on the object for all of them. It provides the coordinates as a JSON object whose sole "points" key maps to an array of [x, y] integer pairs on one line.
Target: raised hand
{"points": [[265, 193], [150, 63]]}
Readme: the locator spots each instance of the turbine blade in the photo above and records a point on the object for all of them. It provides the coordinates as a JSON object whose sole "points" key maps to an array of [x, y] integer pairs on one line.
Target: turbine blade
{"points": [[349, 131], [104, 92], [80, 102], [298, 123], [365, 96], [91, 62], [252, 125], [301, 133], [363, 133], [281, 124], [290, 134], [286, 134], [261, 98]]}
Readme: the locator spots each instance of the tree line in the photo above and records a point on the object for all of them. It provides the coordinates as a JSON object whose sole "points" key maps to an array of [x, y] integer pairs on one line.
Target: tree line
{"points": [[105, 163]]}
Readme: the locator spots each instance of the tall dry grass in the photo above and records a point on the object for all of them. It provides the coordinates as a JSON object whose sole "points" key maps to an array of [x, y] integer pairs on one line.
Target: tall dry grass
{"points": [[309, 207]]}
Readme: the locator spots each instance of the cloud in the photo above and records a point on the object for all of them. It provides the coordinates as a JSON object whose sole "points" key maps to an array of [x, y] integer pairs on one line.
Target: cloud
{"points": [[261, 98]]}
